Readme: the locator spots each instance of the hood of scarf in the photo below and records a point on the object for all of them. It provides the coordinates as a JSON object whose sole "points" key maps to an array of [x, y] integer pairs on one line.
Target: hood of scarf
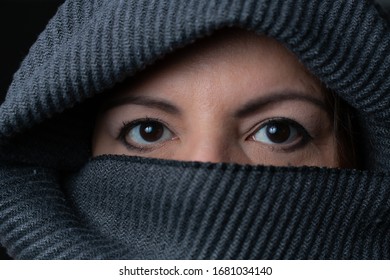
{"points": [[90, 46], [120, 207]]}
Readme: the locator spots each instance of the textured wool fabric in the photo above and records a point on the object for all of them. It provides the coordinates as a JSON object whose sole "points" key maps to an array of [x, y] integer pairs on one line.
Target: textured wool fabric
{"points": [[227, 211], [91, 45], [179, 210], [56, 204]]}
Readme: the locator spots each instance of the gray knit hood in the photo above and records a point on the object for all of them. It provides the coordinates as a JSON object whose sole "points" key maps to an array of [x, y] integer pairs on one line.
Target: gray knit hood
{"points": [[57, 203]]}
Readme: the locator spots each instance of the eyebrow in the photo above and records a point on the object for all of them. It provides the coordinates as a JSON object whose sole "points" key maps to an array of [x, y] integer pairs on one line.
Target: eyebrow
{"points": [[143, 101], [255, 105], [246, 110]]}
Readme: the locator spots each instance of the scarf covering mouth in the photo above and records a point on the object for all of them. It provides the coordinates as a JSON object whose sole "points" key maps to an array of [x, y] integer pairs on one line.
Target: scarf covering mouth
{"points": [[55, 203], [119, 207]]}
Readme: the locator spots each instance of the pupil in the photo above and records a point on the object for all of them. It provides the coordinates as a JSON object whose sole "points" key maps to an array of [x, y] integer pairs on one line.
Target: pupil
{"points": [[278, 132], [151, 131]]}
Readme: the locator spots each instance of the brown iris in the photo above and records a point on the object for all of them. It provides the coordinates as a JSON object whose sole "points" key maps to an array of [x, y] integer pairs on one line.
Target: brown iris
{"points": [[151, 131], [278, 132]]}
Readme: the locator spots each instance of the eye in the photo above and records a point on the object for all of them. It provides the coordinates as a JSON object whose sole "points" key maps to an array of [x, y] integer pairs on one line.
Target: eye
{"points": [[141, 134], [283, 132]]}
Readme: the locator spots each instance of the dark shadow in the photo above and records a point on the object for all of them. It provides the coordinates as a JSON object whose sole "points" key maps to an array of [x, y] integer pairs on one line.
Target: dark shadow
{"points": [[21, 21]]}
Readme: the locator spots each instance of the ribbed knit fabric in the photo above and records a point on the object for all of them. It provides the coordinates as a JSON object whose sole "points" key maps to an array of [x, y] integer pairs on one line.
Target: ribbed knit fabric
{"points": [[55, 204], [196, 211], [91, 45], [36, 221]]}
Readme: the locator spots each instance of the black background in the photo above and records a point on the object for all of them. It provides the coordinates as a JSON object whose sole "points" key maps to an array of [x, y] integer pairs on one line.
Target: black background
{"points": [[20, 23]]}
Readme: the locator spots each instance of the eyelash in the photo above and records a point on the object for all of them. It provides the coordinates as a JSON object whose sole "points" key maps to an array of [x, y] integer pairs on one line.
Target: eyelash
{"points": [[305, 136], [127, 126]]}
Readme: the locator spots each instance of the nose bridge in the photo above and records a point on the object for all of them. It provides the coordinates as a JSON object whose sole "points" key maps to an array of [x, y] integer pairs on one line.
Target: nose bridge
{"points": [[208, 151], [206, 144]]}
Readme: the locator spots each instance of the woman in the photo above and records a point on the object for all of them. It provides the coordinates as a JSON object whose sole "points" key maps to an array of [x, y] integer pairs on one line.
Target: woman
{"points": [[233, 97], [184, 196]]}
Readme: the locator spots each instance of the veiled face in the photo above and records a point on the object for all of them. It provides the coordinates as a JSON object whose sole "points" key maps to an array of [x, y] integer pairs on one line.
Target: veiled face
{"points": [[234, 97]]}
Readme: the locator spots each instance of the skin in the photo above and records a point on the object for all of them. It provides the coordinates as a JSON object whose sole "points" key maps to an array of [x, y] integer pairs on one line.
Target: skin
{"points": [[223, 99]]}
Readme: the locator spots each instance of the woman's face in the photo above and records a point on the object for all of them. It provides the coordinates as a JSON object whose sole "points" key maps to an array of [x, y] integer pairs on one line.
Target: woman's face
{"points": [[234, 97]]}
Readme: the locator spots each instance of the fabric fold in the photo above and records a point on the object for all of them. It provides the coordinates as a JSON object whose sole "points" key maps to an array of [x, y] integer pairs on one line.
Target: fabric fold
{"points": [[227, 211]]}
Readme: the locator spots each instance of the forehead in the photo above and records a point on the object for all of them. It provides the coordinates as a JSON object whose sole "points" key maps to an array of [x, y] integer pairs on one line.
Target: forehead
{"points": [[235, 59], [234, 46]]}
